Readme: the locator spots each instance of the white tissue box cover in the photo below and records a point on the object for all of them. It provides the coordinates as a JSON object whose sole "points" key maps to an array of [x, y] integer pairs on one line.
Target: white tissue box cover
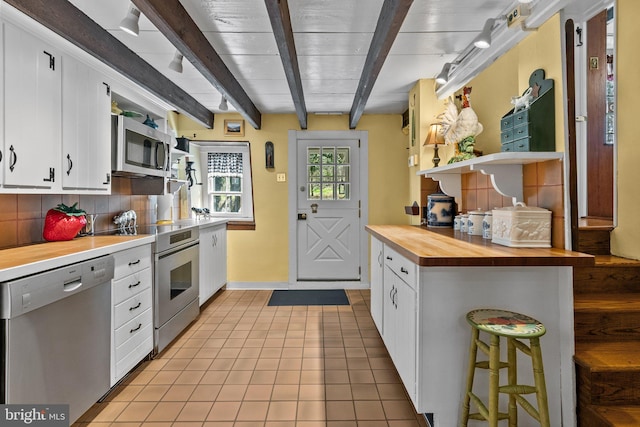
{"points": [[521, 226]]}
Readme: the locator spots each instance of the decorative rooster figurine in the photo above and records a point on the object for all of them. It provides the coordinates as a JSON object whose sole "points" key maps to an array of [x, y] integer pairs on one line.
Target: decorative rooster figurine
{"points": [[460, 128]]}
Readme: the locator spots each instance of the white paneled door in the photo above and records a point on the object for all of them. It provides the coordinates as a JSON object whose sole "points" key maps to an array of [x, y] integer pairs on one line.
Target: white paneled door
{"points": [[328, 210]]}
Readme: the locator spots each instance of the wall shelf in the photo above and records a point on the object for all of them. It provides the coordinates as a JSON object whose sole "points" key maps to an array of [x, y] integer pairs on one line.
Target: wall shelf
{"points": [[505, 170]]}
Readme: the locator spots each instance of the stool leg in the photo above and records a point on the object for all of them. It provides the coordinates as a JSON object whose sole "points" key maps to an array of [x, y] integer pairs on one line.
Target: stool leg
{"points": [[471, 369], [541, 386], [512, 380], [494, 377]]}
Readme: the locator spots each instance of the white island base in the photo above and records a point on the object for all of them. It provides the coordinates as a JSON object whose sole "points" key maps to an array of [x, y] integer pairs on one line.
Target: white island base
{"points": [[420, 298]]}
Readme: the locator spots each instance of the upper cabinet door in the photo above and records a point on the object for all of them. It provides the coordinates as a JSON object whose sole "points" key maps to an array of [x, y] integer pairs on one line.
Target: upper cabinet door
{"points": [[32, 85], [86, 130]]}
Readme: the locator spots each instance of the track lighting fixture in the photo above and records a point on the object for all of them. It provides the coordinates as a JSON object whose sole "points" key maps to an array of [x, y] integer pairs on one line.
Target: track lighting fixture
{"points": [[223, 104], [483, 41], [176, 62], [443, 77], [130, 22]]}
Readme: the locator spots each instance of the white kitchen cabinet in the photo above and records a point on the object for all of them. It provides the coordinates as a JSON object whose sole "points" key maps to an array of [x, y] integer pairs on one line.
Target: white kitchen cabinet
{"points": [[377, 271], [131, 315], [399, 316], [86, 129], [32, 111], [213, 259]]}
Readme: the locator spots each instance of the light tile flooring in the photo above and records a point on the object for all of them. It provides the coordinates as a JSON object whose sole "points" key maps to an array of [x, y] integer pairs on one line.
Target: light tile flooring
{"points": [[245, 364]]}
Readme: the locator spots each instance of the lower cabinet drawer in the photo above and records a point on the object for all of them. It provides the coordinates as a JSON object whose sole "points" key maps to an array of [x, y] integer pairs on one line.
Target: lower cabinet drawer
{"points": [[131, 285], [126, 361], [405, 269], [128, 309], [133, 328]]}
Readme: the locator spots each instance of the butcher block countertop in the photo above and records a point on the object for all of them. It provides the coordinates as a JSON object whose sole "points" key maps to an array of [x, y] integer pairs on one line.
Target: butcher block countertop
{"points": [[446, 248], [26, 260]]}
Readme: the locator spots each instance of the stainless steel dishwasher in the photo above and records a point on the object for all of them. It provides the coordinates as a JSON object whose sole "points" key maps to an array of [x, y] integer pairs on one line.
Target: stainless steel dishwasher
{"points": [[56, 336]]}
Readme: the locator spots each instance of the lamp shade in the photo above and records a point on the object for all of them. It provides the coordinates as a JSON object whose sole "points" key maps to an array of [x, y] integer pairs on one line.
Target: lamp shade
{"points": [[130, 22], [434, 137], [223, 104]]}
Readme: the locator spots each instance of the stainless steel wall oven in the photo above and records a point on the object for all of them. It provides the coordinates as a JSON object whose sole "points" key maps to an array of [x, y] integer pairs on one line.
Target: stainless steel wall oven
{"points": [[176, 283]]}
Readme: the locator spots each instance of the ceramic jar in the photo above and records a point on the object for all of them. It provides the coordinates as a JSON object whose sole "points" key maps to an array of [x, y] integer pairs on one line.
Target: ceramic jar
{"points": [[440, 210], [474, 223], [487, 222], [456, 222], [463, 223]]}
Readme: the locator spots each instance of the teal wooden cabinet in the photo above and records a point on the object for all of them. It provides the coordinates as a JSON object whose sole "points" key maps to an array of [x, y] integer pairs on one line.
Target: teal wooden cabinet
{"points": [[533, 128]]}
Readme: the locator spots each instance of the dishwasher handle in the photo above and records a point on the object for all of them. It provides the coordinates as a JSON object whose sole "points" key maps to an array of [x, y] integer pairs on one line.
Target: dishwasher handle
{"points": [[73, 285]]}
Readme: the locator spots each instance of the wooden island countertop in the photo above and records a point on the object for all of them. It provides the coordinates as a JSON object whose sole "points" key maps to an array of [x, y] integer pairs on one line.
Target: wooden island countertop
{"points": [[446, 248]]}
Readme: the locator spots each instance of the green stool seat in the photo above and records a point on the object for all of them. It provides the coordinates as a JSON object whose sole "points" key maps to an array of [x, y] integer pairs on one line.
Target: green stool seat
{"points": [[515, 327]]}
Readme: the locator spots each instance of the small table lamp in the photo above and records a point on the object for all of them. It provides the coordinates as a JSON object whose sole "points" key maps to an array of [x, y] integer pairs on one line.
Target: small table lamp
{"points": [[435, 137]]}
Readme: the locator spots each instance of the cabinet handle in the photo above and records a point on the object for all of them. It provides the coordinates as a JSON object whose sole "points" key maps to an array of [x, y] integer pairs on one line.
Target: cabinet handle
{"points": [[108, 181], [135, 329], [108, 88], [391, 293], [403, 270], [380, 258], [134, 263], [0, 156], [13, 158], [52, 175], [69, 164], [395, 300], [134, 284], [135, 307], [52, 60], [389, 258]]}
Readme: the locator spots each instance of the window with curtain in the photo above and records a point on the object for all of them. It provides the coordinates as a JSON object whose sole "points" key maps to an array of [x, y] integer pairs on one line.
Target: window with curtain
{"points": [[228, 190]]}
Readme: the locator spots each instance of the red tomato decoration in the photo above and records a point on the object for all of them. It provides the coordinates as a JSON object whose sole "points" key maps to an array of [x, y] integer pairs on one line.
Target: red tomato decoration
{"points": [[63, 222]]}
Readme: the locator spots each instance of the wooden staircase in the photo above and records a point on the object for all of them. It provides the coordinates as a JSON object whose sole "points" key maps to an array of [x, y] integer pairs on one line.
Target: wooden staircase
{"points": [[607, 334]]}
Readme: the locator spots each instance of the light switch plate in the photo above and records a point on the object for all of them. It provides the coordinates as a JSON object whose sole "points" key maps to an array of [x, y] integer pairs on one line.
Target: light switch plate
{"points": [[281, 177]]}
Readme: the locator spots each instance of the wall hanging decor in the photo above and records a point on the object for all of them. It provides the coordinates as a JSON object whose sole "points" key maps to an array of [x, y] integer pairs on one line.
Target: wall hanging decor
{"points": [[269, 155]]}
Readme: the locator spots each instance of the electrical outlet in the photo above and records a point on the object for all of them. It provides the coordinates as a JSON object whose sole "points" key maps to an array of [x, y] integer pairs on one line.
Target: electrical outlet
{"points": [[518, 14], [281, 177]]}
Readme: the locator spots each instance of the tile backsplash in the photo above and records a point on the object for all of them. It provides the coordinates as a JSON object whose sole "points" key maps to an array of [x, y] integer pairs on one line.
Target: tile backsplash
{"points": [[22, 215]]}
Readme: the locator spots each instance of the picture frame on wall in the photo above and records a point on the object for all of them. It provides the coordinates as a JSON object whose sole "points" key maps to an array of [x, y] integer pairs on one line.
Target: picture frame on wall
{"points": [[234, 127]]}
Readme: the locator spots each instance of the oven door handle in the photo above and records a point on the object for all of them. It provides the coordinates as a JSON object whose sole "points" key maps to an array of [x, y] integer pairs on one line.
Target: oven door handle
{"points": [[175, 250]]}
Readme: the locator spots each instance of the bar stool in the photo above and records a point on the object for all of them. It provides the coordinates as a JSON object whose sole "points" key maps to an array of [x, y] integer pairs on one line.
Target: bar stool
{"points": [[514, 327]]}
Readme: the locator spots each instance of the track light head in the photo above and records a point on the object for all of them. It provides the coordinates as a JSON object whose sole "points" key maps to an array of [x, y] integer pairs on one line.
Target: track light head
{"points": [[130, 22], [443, 77], [223, 104], [483, 41], [176, 62]]}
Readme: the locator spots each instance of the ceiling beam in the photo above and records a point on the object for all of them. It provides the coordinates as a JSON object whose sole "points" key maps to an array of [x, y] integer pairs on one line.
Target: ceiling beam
{"points": [[171, 18], [281, 24], [390, 20], [65, 19]]}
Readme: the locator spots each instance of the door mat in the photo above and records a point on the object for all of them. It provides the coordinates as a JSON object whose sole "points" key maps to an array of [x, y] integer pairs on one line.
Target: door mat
{"points": [[309, 297]]}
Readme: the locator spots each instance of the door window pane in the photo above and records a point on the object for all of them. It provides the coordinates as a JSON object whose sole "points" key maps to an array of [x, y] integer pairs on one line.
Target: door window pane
{"points": [[328, 173]]}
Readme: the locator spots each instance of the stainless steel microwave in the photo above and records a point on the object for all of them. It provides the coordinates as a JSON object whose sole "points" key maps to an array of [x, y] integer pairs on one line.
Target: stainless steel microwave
{"points": [[137, 148]]}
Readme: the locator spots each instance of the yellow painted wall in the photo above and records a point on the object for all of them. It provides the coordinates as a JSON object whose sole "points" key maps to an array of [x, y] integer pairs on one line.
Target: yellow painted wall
{"points": [[262, 255], [509, 76], [626, 237]]}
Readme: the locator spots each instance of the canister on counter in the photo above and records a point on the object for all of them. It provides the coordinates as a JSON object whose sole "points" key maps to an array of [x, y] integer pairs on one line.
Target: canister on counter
{"points": [[463, 222], [486, 225], [440, 210], [474, 223], [456, 222]]}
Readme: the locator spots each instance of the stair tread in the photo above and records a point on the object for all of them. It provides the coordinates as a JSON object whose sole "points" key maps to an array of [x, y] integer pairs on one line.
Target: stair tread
{"points": [[615, 261], [619, 416], [622, 302], [609, 356]]}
